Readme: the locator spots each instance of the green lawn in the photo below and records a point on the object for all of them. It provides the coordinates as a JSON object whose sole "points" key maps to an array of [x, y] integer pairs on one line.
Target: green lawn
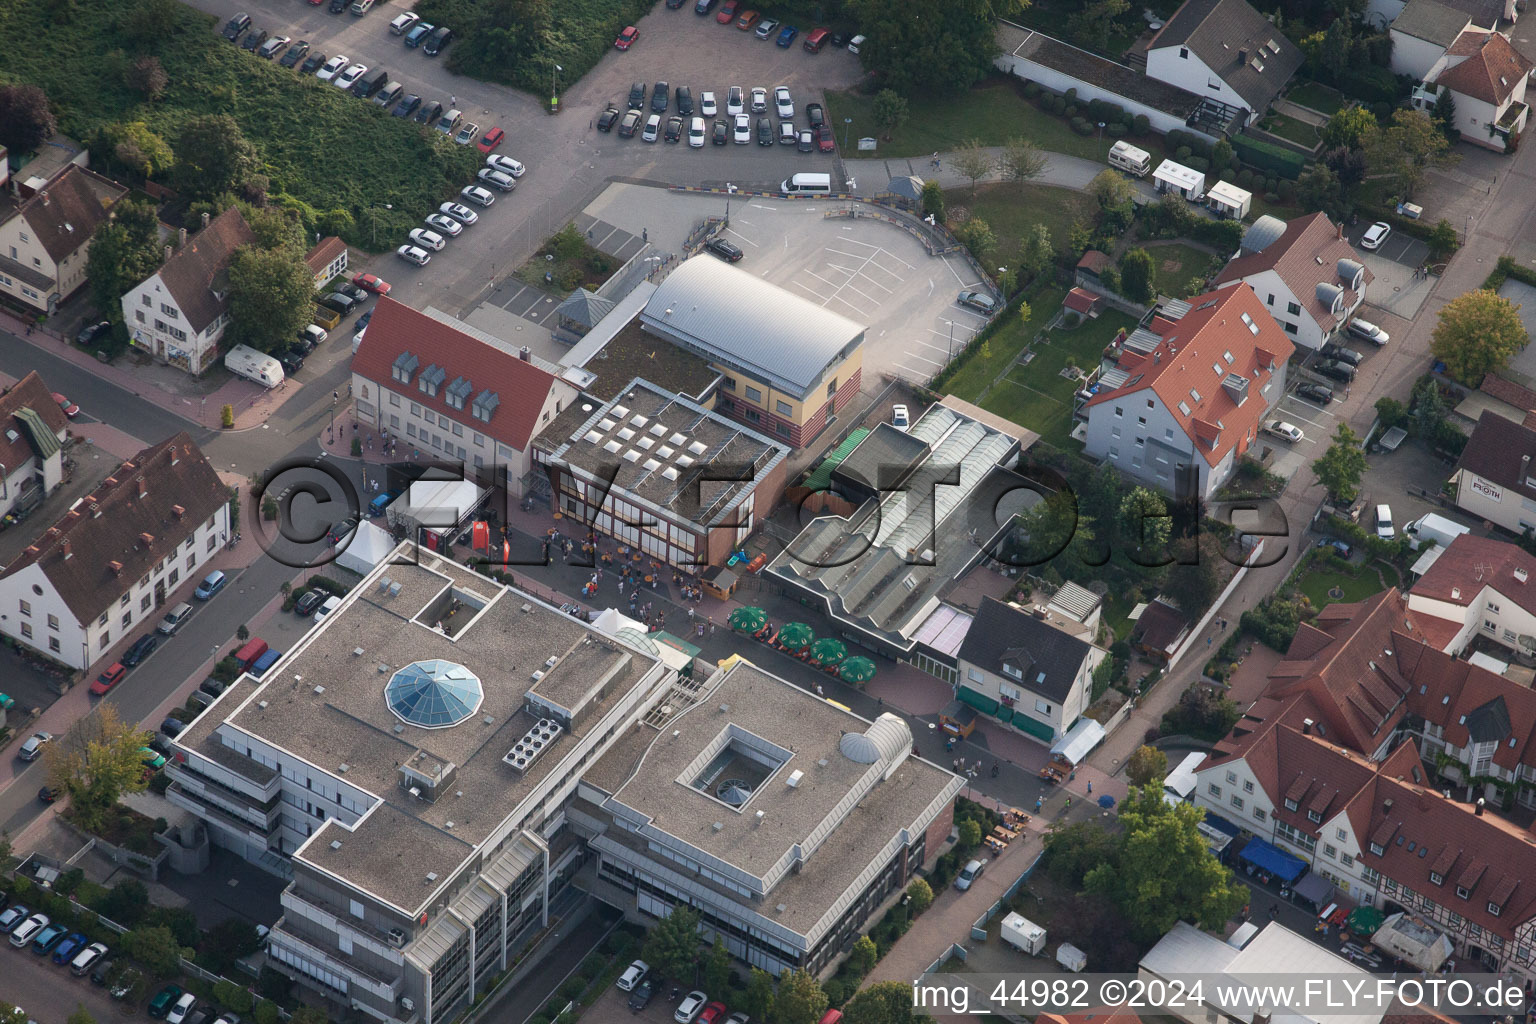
{"points": [[1036, 395], [1316, 96], [322, 149], [1004, 346], [1173, 266], [1287, 127], [1358, 582], [991, 113], [1011, 209]]}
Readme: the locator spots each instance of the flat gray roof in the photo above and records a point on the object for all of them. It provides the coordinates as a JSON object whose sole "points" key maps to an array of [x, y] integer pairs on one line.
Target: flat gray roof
{"points": [[391, 850], [649, 767], [732, 317]]}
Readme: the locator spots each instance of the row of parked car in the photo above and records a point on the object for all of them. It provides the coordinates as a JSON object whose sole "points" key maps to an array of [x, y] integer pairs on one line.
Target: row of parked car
{"points": [[66, 948], [500, 172], [736, 12], [737, 126]]}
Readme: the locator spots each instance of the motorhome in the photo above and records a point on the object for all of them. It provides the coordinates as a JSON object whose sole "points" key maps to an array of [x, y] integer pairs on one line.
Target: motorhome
{"points": [[244, 361], [1125, 157]]}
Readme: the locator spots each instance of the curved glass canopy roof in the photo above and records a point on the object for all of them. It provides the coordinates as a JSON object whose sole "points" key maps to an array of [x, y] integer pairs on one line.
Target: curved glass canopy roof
{"points": [[434, 694]]}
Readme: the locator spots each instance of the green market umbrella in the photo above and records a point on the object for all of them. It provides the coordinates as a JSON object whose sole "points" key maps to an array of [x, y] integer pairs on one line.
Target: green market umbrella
{"points": [[748, 620], [1365, 920], [828, 651], [857, 670], [795, 635]]}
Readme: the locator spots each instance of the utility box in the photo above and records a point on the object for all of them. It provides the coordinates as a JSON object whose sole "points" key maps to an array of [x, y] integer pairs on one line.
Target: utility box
{"points": [[1023, 934], [1070, 957]]}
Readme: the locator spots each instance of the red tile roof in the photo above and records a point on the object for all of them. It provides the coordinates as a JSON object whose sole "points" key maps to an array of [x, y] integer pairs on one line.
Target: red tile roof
{"points": [[324, 254], [191, 272], [117, 535], [1506, 390], [1354, 679], [1295, 256], [1491, 71], [66, 212], [1160, 626], [1469, 702], [522, 387], [1188, 366], [1093, 261], [28, 393], [1471, 563], [1080, 300]]}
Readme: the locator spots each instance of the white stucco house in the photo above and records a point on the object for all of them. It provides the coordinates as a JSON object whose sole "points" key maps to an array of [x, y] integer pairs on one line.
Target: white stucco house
{"points": [[109, 565], [1422, 33], [1494, 479], [1487, 77], [45, 238], [179, 313], [1482, 587], [1308, 276], [1224, 50], [32, 432], [1189, 392]]}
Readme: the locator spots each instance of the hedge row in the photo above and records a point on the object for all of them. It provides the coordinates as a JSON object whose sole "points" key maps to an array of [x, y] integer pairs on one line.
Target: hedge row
{"points": [[1506, 269], [1267, 156]]}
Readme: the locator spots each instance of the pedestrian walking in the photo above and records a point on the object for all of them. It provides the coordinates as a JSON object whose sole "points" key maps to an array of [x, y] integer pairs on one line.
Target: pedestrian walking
{"points": [[994, 769], [711, 629], [1069, 803], [1090, 789], [690, 614], [819, 691], [1039, 803], [621, 588], [955, 764], [453, 101]]}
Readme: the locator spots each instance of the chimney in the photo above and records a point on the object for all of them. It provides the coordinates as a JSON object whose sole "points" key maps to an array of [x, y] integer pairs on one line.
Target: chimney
{"points": [[116, 567], [167, 254], [44, 194], [181, 237], [1477, 808], [64, 547], [146, 539], [205, 218], [1386, 806], [31, 550], [1242, 55], [525, 355], [143, 488], [1306, 727], [1341, 231], [178, 511]]}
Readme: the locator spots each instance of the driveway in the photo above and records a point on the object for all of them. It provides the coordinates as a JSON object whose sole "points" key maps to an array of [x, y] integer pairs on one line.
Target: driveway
{"points": [[1400, 247], [49, 993], [569, 162]]}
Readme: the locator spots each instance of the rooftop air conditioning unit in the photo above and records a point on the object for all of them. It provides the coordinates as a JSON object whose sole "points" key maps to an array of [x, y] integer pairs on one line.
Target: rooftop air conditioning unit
{"points": [[537, 676], [397, 939]]}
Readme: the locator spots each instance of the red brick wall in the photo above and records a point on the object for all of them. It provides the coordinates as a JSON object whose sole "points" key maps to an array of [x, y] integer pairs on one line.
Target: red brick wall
{"points": [[848, 389], [937, 833]]}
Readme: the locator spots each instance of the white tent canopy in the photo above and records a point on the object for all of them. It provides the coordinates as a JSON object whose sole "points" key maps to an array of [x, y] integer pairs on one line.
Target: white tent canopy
{"points": [[439, 505], [1415, 940], [1079, 740], [365, 548]]}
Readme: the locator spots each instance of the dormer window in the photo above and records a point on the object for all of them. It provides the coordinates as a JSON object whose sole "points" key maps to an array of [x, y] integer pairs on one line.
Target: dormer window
{"points": [[1290, 804], [1463, 893], [1378, 849], [1315, 816], [1493, 908], [458, 392], [1012, 671], [432, 380], [404, 367], [1437, 878]]}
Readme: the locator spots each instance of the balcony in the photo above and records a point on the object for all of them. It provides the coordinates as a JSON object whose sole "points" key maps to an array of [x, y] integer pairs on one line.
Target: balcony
{"points": [[385, 989], [340, 918], [1511, 120]]}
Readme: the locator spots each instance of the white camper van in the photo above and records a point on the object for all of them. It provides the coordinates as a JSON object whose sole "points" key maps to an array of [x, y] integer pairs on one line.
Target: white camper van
{"points": [[1022, 934], [244, 361], [1125, 157]]}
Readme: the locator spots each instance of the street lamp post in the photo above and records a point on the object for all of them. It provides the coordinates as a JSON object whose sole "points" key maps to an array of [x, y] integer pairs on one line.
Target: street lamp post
{"points": [[846, 122], [375, 211], [335, 397], [553, 89], [1101, 136]]}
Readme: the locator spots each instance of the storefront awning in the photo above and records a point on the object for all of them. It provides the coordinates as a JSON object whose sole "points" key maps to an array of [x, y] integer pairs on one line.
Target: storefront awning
{"points": [[1277, 862], [1079, 740], [1315, 889]]}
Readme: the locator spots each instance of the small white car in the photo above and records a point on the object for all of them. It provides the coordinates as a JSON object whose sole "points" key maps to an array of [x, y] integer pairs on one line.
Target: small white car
{"points": [[330, 605], [333, 67], [34, 745], [348, 78], [430, 240], [696, 133], [86, 958], [411, 254], [181, 1009], [782, 101], [1384, 528], [506, 165], [468, 132], [688, 1009], [901, 419], [444, 223], [459, 212], [401, 25], [759, 101], [652, 129], [1285, 431], [28, 929], [735, 101], [741, 134], [477, 195], [632, 976], [969, 874], [497, 179], [1369, 331], [707, 105], [1375, 235]]}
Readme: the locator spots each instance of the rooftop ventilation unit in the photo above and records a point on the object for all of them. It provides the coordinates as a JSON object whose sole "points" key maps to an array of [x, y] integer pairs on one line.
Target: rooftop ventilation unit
{"points": [[262, 704], [759, 818], [533, 743], [549, 662], [397, 938], [536, 676], [399, 728], [357, 652], [344, 768], [384, 582], [726, 708], [431, 876], [526, 608], [335, 844], [394, 590], [319, 690], [717, 826], [793, 782]]}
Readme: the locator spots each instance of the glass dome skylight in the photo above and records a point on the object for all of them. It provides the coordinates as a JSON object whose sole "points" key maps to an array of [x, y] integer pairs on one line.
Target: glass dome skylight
{"points": [[434, 694]]}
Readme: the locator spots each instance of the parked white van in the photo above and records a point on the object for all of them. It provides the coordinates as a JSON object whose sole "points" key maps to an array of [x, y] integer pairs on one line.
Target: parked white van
{"points": [[244, 361], [1125, 157], [807, 184]]}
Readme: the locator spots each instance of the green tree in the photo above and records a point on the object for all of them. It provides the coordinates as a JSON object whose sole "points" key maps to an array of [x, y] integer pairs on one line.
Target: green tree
{"points": [[1146, 764], [672, 946], [1444, 115], [863, 957], [242, 632], [757, 1001], [148, 76], [124, 250], [1477, 334], [137, 148], [271, 297], [972, 160], [126, 902], [12, 1014], [1404, 151], [976, 235], [1073, 851], [1145, 526], [919, 896], [95, 762], [308, 1015], [1092, 26], [157, 949], [1164, 871], [1340, 468], [568, 243], [970, 834], [933, 200], [885, 1002], [1221, 155], [81, 1015], [1025, 314], [1318, 189], [916, 46], [891, 111], [1193, 574], [213, 157], [717, 967], [26, 121], [276, 228], [1111, 190], [1021, 160], [152, 22], [1333, 54], [1348, 127], [1442, 240], [1037, 254], [1136, 275], [800, 999], [265, 1012], [231, 939]]}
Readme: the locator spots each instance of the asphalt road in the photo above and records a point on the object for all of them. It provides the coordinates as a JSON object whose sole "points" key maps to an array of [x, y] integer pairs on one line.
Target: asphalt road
{"points": [[48, 992]]}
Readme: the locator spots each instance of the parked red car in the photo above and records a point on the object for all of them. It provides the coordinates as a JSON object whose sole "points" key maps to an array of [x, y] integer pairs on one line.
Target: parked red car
{"points": [[108, 679], [490, 140], [727, 12], [824, 140], [371, 283], [626, 38], [70, 408]]}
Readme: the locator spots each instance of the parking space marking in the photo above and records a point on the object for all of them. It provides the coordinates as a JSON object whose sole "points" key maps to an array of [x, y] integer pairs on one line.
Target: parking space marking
{"points": [[935, 362], [921, 375], [743, 237]]}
